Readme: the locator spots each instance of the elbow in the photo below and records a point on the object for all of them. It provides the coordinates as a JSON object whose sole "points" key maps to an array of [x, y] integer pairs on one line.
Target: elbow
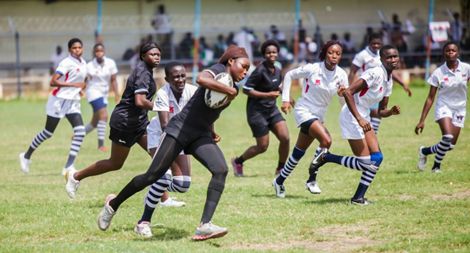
{"points": [[199, 79]]}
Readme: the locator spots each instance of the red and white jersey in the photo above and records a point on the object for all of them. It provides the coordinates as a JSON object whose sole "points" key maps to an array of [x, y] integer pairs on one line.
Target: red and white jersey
{"points": [[452, 86], [165, 101], [366, 59], [379, 85], [99, 78], [319, 86], [72, 70]]}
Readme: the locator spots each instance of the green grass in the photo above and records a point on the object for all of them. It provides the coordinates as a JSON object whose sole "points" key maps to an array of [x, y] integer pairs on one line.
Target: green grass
{"points": [[413, 211]]}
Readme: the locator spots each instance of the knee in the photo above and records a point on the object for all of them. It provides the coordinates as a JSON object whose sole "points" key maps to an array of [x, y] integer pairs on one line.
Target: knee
{"points": [[79, 131], [115, 165], [326, 142], [181, 183], [376, 159], [261, 148], [447, 138]]}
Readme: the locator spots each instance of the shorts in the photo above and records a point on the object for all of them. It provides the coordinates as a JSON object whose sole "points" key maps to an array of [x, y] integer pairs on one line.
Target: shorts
{"points": [[59, 107], [127, 139], [374, 107], [154, 133], [457, 116], [350, 128], [98, 104], [262, 121], [303, 114]]}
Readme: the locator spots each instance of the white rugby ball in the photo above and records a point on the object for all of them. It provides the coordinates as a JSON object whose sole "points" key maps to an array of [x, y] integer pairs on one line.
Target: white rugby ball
{"points": [[215, 99]]}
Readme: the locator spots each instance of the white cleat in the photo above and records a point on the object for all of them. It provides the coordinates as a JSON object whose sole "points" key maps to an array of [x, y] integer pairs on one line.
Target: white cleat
{"points": [[24, 163], [143, 229], [279, 189], [72, 185], [106, 214], [172, 203], [209, 231], [313, 187], [422, 159]]}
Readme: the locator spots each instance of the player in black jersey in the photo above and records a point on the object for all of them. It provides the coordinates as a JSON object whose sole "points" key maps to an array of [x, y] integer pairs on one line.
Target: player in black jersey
{"points": [[190, 130], [129, 118]]}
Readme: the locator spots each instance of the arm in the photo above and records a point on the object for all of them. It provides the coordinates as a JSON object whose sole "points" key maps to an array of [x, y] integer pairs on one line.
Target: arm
{"points": [[142, 102], [355, 87], [164, 117], [297, 73], [206, 80], [384, 112], [114, 87], [259, 94], [400, 81], [427, 106], [352, 73], [55, 82]]}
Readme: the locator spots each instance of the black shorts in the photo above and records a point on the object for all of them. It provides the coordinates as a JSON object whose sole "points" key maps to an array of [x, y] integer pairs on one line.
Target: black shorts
{"points": [[262, 121], [127, 139]]}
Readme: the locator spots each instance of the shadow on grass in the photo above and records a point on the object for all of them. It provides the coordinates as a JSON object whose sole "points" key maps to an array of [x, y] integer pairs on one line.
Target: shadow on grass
{"points": [[272, 196], [328, 201], [161, 233]]}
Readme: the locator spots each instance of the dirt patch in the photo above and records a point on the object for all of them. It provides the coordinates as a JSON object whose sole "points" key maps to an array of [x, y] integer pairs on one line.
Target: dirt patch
{"points": [[405, 197], [345, 238], [456, 195]]}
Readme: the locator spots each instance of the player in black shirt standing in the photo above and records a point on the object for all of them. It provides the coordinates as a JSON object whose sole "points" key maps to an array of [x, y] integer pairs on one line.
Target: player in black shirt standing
{"points": [[129, 118], [191, 131], [262, 88]]}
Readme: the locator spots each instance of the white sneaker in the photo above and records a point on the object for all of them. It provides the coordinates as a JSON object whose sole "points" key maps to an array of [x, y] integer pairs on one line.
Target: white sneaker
{"points": [[421, 159], [24, 163], [106, 214], [436, 170], [143, 229], [279, 189], [65, 170], [172, 203], [208, 230], [313, 187], [72, 185]]}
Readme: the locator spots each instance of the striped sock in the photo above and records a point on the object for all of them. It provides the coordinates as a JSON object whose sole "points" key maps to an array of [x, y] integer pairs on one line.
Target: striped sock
{"points": [[154, 195], [313, 174], [40, 138], [180, 184], [358, 163], [375, 122], [441, 149], [368, 175], [293, 160], [101, 128], [78, 135]]}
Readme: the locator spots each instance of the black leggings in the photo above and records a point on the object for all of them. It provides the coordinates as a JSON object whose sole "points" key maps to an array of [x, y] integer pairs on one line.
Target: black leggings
{"points": [[75, 119], [203, 149]]}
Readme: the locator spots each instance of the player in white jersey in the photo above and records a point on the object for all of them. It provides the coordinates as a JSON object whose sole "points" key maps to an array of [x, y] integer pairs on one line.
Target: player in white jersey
{"points": [[374, 86], [102, 73], [369, 58], [322, 81], [170, 100], [450, 82], [64, 101]]}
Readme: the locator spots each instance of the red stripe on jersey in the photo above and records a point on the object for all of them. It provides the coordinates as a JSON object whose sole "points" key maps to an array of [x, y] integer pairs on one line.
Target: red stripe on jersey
{"points": [[66, 76], [363, 91], [55, 91]]}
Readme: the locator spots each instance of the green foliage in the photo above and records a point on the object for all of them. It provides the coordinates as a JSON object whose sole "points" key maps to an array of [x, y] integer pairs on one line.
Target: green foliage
{"points": [[413, 211]]}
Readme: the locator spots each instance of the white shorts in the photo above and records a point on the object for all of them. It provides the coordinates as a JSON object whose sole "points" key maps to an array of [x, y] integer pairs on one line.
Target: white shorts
{"points": [[59, 107], [458, 116], [154, 134], [302, 114], [94, 93], [350, 128]]}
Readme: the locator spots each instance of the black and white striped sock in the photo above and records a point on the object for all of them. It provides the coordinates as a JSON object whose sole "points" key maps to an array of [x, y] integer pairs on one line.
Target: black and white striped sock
{"points": [[40, 138], [156, 191], [101, 128], [77, 140]]}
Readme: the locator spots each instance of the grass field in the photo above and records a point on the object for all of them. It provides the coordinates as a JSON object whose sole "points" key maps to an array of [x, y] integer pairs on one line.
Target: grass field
{"points": [[413, 211]]}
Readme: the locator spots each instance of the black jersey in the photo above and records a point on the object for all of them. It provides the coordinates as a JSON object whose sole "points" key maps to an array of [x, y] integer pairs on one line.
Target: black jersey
{"points": [[126, 115], [263, 80], [196, 118]]}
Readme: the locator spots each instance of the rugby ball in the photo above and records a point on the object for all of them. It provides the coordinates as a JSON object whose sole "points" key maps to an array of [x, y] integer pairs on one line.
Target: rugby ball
{"points": [[215, 99]]}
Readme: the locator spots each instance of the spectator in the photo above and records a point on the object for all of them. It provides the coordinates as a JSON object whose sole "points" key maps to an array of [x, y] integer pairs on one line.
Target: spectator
{"points": [[334, 37], [220, 46], [317, 37], [348, 44], [186, 45], [245, 39], [229, 41], [456, 28], [275, 34], [312, 48], [163, 30], [366, 39], [206, 55], [56, 57]]}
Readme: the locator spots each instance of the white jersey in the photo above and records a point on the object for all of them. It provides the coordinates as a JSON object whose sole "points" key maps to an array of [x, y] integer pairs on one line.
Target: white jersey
{"points": [[71, 70], [166, 101], [452, 86], [99, 78], [320, 85], [379, 85], [366, 59]]}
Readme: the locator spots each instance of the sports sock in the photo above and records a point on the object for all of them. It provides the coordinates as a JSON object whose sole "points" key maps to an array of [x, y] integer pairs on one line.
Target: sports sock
{"points": [[101, 128], [78, 135], [293, 160], [40, 138]]}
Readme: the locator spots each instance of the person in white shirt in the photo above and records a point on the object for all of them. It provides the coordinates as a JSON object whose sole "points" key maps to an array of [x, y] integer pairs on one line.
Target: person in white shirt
{"points": [[56, 58], [321, 82], [368, 58], [374, 86], [170, 100], [64, 101], [450, 82], [102, 73], [245, 39]]}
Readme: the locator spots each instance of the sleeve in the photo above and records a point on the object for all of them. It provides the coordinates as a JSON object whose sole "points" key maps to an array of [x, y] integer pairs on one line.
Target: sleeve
{"points": [[253, 80], [215, 69], [300, 72], [112, 67], [358, 61], [142, 83], [63, 67], [433, 80], [162, 101], [370, 76]]}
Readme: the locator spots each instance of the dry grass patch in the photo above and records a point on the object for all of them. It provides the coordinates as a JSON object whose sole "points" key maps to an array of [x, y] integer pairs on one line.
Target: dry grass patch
{"points": [[452, 196]]}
